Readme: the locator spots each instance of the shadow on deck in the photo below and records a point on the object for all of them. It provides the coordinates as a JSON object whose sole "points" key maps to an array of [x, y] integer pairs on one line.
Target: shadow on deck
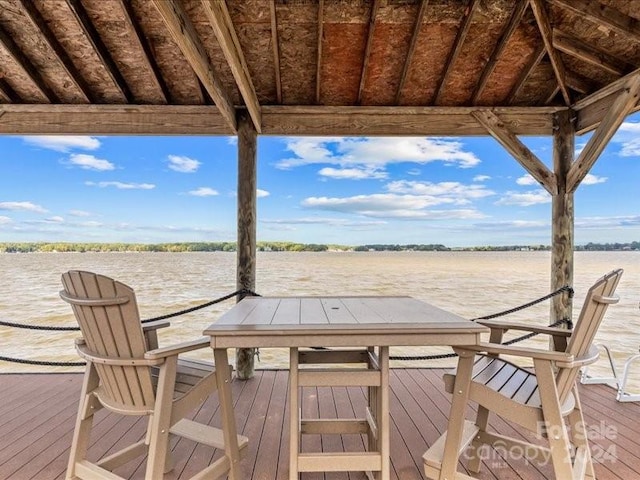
{"points": [[37, 413]]}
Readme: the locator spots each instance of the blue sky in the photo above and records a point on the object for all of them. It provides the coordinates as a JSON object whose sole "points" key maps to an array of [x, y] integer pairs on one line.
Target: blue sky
{"points": [[463, 191]]}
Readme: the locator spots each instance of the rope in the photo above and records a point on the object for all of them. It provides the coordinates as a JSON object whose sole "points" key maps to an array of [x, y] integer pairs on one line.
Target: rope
{"points": [[242, 291], [566, 288]]}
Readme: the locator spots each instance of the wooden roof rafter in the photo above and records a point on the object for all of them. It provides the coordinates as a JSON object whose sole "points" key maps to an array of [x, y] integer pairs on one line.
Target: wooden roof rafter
{"points": [[510, 28], [7, 92], [100, 49], [29, 69], [225, 32], [625, 101], [531, 163], [186, 37], [276, 48], [412, 48], [367, 50], [575, 47], [465, 25], [535, 59], [49, 38], [602, 15], [544, 25], [138, 34]]}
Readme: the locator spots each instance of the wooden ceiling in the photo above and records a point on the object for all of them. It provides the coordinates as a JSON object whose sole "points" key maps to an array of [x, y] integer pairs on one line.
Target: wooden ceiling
{"points": [[313, 67]]}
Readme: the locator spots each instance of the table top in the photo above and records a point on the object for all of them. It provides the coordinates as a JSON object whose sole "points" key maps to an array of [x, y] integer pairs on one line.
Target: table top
{"points": [[340, 321]]}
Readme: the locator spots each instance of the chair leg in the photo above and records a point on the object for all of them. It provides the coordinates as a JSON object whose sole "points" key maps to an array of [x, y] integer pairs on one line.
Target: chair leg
{"points": [[160, 420], [579, 435], [84, 421], [554, 422], [482, 420]]}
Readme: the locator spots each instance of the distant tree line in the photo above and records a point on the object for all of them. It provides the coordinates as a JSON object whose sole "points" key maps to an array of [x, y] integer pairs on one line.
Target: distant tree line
{"points": [[33, 247]]}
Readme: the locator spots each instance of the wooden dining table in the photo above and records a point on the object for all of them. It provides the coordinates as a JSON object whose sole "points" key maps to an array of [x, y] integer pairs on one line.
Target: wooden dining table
{"points": [[333, 334]]}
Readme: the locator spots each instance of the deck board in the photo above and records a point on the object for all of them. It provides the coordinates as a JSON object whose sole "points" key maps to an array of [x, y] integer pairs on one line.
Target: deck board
{"points": [[37, 415]]}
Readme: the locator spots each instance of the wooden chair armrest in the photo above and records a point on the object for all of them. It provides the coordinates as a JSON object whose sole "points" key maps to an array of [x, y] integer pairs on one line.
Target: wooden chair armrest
{"points": [[155, 325], [115, 361], [588, 358], [561, 332], [178, 348], [560, 358]]}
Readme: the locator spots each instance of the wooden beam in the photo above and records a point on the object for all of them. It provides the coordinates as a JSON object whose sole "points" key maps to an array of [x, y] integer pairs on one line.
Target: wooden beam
{"points": [[367, 51], [562, 214], [544, 25], [86, 119], [100, 49], [220, 20], [457, 48], [603, 16], [319, 50], [577, 82], [49, 38], [535, 59], [531, 163], [186, 37], [138, 34], [412, 48], [247, 226], [619, 109], [588, 53], [398, 121], [510, 28], [276, 49], [277, 120], [29, 69]]}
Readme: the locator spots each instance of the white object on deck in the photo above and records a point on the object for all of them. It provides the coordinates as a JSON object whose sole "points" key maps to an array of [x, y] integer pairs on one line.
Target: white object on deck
{"points": [[614, 381]]}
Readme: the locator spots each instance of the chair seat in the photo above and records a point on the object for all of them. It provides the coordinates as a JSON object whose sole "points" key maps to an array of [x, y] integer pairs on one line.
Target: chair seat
{"points": [[508, 379]]}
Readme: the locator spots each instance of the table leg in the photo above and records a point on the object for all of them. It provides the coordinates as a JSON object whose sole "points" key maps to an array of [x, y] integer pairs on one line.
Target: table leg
{"points": [[223, 378], [294, 414], [457, 414]]}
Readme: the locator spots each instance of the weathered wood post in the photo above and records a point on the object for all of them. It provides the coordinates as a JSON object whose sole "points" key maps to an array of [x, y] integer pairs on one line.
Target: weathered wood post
{"points": [[562, 215], [247, 210]]}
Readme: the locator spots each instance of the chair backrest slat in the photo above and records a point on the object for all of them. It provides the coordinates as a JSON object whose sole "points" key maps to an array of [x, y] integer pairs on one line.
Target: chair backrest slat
{"points": [[111, 328], [598, 298]]}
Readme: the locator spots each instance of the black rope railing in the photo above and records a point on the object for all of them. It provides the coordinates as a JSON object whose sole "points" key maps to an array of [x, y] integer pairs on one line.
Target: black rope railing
{"points": [[245, 291], [242, 291], [503, 313]]}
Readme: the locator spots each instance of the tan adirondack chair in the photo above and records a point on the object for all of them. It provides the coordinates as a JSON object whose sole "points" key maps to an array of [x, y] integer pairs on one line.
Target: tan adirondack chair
{"points": [[120, 377], [543, 400]]}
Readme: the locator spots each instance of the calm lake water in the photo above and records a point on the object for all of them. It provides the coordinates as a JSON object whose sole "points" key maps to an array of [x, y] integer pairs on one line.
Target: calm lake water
{"points": [[470, 284]]}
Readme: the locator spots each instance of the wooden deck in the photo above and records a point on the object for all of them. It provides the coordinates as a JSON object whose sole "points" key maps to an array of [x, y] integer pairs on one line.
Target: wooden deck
{"points": [[37, 416]]}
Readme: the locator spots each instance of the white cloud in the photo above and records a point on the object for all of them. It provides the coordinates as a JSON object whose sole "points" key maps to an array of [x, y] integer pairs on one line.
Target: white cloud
{"points": [[481, 178], [232, 140], [608, 222], [414, 172], [122, 185], [443, 192], [55, 219], [89, 162], [183, 164], [5, 220], [512, 224], [590, 179], [526, 180], [389, 205], [376, 152], [353, 173], [336, 222], [262, 193], [22, 206], [525, 199], [203, 192], [79, 213], [628, 136], [63, 143]]}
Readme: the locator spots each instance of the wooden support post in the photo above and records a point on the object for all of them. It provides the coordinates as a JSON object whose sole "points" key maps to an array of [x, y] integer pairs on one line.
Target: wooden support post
{"points": [[562, 215], [246, 246]]}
